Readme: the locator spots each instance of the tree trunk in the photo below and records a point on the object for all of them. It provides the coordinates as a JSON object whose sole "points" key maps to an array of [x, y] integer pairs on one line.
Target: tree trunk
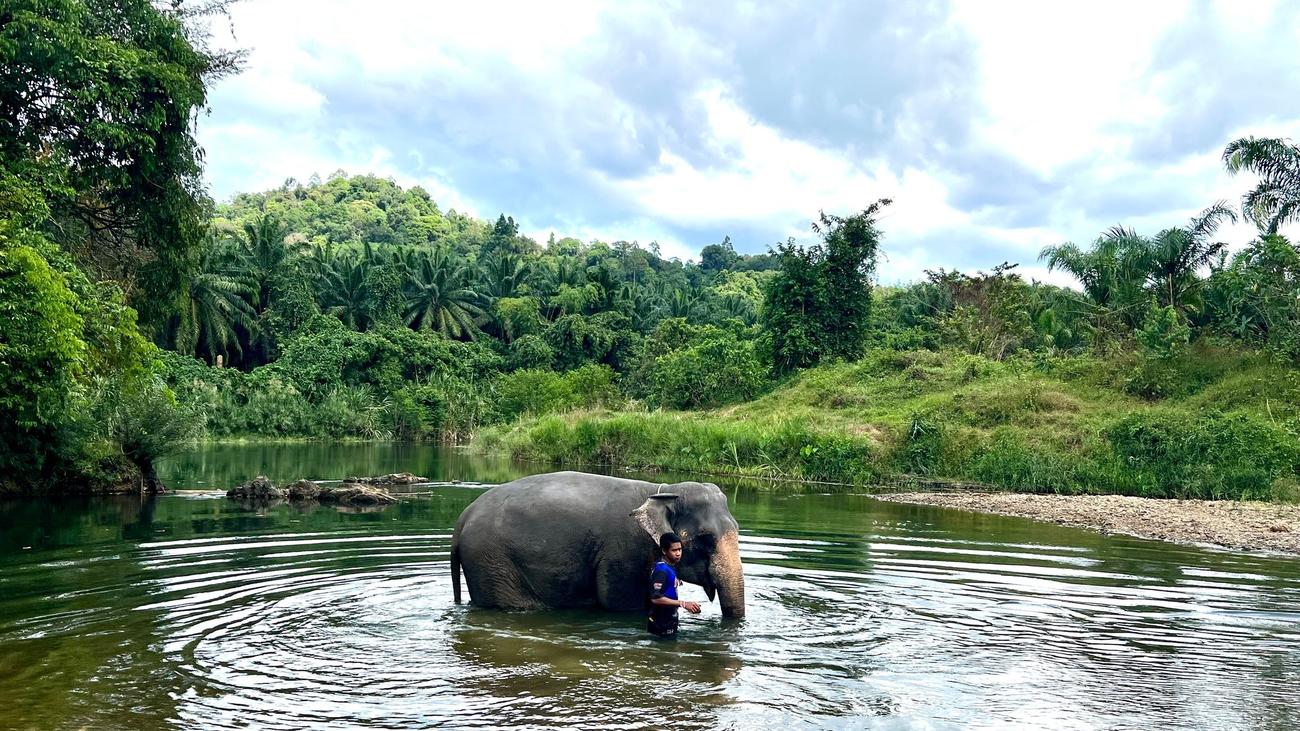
{"points": [[149, 481]]}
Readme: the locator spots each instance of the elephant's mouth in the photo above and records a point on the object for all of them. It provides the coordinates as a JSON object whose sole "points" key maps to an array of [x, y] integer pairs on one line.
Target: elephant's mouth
{"points": [[710, 590]]}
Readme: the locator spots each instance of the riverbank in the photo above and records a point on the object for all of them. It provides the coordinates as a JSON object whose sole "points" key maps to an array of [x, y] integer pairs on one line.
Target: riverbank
{"points": [[1239, 525], [1068, 425]]}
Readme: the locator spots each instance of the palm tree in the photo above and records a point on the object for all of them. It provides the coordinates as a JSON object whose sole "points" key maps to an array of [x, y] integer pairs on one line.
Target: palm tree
{"points": [[682, 303], [1173, 256], [218, 302], [266, 254], [1108, 271], [503, 274], [343, 291], [1112, 271], [564, 270], [440, 298], [1275, 200]]}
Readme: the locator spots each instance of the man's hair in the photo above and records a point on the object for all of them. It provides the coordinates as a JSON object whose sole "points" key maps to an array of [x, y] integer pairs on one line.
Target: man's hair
{"points": [[668, 539]]}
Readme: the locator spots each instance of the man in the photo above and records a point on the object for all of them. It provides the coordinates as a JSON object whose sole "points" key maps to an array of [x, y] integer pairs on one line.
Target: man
{"points": [[663, 590]]}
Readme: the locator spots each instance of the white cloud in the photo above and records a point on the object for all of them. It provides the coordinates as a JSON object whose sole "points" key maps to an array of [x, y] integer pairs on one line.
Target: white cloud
{"points": [[650, 122]]}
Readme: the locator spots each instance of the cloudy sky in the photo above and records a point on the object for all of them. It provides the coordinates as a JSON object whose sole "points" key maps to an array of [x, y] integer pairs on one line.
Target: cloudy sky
{"points": [[996, 127]]}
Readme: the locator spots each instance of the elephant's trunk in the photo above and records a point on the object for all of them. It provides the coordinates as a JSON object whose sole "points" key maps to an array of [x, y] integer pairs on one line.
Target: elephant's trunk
{"points": [[726, 575]]}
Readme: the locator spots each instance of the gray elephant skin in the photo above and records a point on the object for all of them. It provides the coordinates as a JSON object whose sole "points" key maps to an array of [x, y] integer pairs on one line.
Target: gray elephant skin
{"points": [[570, 539]]}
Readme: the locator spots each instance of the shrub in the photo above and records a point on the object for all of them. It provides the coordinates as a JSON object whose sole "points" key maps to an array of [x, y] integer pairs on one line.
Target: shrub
{"points": [[719, 370], [530, 351], [532, 391], [1175, 454]]}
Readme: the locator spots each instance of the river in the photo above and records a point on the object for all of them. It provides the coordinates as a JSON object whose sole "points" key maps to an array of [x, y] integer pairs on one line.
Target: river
{"points": [[191, 612]]}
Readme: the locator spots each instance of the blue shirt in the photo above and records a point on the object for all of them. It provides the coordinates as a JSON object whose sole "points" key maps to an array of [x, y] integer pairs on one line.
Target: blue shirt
{"points": [[663, 583]]}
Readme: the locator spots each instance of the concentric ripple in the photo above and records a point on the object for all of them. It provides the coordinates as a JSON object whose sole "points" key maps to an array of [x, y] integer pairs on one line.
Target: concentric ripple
{"points": [[195, 613]]}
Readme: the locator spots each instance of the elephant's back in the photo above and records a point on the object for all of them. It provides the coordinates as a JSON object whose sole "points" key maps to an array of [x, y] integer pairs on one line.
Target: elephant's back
{"points": [[564, 496]]}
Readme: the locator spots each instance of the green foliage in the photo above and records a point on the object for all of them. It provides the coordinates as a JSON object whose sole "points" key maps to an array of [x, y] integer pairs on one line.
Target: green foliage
{"points": [[530, 351], [1275, 199], [541, 392], [117, 86], [1255, 298], [42, 351], [1215, 456], [818, 305], [580, 339], [1162, 342], [713, 371], [519, 316], [1164, 334]]}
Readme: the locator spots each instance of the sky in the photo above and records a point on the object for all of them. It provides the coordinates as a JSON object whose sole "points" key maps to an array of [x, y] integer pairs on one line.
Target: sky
{"points": [[997, 128]]}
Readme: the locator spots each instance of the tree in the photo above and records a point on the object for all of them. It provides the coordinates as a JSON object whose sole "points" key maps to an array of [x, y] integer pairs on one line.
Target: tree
{"points": [[218, 303], [505, 238], [1255, 297], [1275, 200], [440, 298], [504, 274], [343, 290], [266, 255], [718, 257], [818, 304], [1110, 271], [1173, 256], [1121, 263], [43, 352], [98, 100]]}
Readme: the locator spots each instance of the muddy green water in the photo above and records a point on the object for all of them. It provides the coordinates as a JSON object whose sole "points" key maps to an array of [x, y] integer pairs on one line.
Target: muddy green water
{"points": [[191, 612]]}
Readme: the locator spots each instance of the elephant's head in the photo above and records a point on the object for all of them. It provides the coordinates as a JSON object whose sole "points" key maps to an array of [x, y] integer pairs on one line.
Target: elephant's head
{"points": [[710, 547]]}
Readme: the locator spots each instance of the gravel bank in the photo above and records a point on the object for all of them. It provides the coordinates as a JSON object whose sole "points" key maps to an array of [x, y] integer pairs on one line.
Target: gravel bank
{"points": [[1247, 526]]}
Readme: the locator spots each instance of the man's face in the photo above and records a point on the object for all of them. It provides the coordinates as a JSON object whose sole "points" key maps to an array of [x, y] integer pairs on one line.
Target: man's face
{"points": [[673, 554]]}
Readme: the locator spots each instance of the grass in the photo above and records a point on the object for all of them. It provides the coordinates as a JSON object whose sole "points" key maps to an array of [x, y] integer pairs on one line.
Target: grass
{"points": [[1067, 425]]}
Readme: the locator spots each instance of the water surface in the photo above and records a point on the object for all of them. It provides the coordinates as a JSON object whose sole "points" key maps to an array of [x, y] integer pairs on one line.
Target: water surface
{"points": [[193, 612]]}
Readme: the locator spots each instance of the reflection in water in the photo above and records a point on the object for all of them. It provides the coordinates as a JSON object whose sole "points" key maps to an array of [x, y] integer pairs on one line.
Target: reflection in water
{"points": [[192, 612]]}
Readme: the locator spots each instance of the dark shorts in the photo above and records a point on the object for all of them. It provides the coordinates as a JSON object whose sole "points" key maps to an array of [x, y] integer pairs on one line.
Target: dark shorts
{"points": [[663, 627]]}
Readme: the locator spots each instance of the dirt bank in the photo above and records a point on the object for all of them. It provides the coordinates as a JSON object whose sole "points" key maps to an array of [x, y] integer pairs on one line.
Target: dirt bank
{"points": [[1239, 525]]}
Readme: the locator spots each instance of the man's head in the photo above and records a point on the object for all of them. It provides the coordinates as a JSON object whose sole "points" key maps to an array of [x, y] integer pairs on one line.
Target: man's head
{"points": [[671, 546]]}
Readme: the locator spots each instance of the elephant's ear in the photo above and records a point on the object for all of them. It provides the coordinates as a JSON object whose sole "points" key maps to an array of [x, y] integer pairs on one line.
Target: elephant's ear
{"points": [[652, 516]]}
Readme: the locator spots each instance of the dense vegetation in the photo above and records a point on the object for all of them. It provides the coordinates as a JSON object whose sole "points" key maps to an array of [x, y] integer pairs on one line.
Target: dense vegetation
{"points": [[137, 315], [101, 213]]}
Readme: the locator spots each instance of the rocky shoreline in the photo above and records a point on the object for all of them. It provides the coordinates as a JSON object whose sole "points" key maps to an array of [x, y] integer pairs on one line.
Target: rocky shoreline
{"points": [[1245, 526]]}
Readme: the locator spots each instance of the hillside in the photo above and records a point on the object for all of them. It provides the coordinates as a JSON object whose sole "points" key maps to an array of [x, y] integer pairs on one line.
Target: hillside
{"points": [[1060, 424]]}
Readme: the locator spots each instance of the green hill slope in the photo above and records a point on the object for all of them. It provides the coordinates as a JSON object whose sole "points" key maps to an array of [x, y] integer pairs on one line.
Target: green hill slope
{"points": [[1043, 424]]}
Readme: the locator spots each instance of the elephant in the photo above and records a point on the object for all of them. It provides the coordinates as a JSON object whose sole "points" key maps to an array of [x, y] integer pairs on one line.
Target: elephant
{"points": [[571, 539]]}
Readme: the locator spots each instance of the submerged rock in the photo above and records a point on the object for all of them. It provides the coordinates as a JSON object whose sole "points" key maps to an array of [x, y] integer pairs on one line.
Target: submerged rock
{"points": [[355, 494], [397, 478], [258, 488]]}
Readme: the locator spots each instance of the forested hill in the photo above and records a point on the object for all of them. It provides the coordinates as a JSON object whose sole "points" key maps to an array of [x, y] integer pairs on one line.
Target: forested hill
{"points": [[371, 254]]}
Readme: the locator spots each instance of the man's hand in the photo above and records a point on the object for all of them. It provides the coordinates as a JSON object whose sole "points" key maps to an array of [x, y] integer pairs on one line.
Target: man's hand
{"points": [[692, 607]]}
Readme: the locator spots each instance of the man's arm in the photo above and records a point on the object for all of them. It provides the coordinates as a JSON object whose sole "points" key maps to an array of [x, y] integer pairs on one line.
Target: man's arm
{"points": [[658, 580]]}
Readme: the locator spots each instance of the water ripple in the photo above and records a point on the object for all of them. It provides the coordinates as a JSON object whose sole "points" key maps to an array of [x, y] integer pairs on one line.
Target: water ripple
{"points": [[867, 615]]}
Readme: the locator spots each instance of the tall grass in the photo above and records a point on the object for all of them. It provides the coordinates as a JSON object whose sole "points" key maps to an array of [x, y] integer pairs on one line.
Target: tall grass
{"points": [[1044, 424]]}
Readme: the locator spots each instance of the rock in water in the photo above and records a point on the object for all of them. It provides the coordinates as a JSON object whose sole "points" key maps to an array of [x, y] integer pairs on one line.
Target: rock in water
{"points": [[258, 488], [355, 494], [304, 490], [397, 478]]}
